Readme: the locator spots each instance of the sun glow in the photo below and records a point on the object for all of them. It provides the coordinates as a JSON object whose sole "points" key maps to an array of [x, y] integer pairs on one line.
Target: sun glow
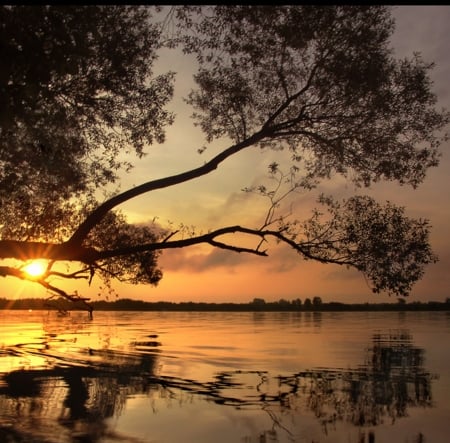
{"points": [[35, 268]]}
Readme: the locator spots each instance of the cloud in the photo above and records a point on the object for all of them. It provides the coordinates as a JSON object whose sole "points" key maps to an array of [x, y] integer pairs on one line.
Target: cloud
{"points": [[192, 260]]}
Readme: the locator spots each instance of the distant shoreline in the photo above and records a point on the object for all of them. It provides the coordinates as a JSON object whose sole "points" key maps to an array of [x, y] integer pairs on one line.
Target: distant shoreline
{"points": [[257, 305]]}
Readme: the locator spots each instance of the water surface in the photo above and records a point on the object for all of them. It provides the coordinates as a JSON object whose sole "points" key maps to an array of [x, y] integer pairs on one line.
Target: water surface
{"points": [[362, 377]]}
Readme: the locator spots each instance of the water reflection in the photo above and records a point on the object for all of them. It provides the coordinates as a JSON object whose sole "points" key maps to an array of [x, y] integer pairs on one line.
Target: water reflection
{"points": [[391, 380], [71, 402], [292, 318], [75, 395]]}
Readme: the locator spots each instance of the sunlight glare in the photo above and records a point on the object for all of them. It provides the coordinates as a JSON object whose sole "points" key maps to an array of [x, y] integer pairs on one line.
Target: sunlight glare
{"points": [[35, 268]]}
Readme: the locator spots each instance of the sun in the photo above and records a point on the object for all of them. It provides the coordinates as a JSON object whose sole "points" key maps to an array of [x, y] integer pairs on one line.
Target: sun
{"points": [[35, 268]]}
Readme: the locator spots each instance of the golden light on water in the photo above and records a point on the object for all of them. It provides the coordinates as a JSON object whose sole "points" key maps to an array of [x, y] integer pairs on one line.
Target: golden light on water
{"points": [[35, 268]]}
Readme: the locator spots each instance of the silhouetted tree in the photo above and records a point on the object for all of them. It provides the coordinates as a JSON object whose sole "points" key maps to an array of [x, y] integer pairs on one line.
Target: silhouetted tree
{"points": [[283, 303], [317, 302], [297, 303], [78, 91]]}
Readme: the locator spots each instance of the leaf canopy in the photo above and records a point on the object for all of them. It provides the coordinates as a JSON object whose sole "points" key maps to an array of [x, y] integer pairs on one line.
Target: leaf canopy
{"points": [[77, 93], [320, 80]]}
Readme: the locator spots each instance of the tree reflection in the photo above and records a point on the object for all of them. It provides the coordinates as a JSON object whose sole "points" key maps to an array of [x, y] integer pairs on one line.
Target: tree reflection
{"points": [[391, 380], [73, 400]]}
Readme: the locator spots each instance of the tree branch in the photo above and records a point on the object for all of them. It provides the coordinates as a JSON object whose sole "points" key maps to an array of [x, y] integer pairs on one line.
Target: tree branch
{"points": [[26, 250], [209, 238], [292, 98], [8, 271], [96, 216]]}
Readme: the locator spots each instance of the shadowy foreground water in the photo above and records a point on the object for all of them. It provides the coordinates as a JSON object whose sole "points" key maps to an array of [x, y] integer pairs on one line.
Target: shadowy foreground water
{"points": [[188, 377]]}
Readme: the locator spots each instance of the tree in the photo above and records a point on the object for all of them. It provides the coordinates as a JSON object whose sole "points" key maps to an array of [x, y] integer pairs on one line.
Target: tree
{"points": [[77, 93], [319, 82], [297, 303], [317, 302]]}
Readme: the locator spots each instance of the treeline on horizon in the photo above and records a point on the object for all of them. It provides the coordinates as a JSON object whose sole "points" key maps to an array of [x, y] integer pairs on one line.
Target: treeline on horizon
{"points": [[258, 304]]}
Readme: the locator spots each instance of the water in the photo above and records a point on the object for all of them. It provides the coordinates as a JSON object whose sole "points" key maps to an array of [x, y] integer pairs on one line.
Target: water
{"points": [[169, 377]]}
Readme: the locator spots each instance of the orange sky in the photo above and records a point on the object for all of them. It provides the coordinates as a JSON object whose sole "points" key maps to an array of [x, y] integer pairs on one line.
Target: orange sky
{"points": [[205, 274]]}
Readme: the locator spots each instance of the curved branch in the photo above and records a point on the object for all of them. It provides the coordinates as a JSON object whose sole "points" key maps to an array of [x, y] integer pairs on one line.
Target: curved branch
{"points": [[72, 297], [210, 238], [26, 250], [96, 216], [77, 275], [8, 271]]}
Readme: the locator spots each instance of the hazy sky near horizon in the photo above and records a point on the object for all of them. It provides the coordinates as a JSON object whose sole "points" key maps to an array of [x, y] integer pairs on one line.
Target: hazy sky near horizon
{"points": [[205, 274]]}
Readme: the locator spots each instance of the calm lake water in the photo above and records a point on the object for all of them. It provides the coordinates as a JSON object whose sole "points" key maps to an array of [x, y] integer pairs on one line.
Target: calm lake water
{"points": [[169, 377]]}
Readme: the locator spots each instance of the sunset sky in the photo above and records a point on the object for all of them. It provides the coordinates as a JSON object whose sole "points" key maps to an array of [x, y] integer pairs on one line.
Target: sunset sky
{"points": [[204, 274]]}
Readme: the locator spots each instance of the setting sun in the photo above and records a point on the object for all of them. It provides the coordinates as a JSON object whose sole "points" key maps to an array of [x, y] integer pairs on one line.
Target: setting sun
{"points": [[35, 268]]}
